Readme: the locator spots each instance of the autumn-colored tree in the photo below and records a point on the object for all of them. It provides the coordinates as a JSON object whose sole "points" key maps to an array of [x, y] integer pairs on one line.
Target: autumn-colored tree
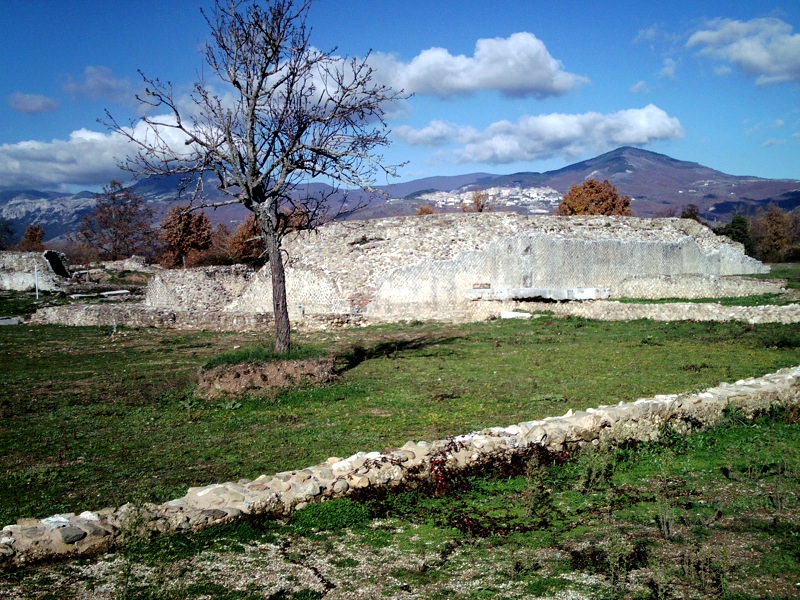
{"points": [[119, 225], [793, 253], [478, 202], [771, 232], [32, 239], [184, 232], [425, 209], [593, 197], [219, 250], [247, 244]]}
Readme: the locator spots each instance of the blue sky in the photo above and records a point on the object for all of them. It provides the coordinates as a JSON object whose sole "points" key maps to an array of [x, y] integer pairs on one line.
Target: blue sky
{"points": [[499, 87]]}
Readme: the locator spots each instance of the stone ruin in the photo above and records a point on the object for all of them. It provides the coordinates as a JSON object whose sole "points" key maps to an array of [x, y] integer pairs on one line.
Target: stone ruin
{"points": [[21, 271], [25, 271], [468, 266], [452, 267]]}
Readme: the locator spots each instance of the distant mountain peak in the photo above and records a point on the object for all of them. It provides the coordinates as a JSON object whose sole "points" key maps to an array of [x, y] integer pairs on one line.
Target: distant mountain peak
{"points": [[658, 184]]}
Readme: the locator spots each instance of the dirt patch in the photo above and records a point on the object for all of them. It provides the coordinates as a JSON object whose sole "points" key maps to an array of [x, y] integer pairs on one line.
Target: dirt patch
{"points": [[264, 378]]}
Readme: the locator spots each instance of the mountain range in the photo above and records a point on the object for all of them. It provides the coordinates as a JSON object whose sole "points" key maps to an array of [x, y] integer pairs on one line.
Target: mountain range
{"points": [[657, 184]]}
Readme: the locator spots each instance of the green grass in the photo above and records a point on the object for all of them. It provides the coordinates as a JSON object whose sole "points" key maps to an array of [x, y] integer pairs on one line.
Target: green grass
{"points": [[788, 271], [756, 300], [712, 515], [331, 516], [263, 354], [19, 304], [82, 404]]}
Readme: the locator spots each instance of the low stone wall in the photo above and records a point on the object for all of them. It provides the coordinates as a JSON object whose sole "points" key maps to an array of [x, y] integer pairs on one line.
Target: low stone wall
{"points": [[693, 286], [139, 315], [240, 289], [677, 311], [208, 288], [90, 532]]}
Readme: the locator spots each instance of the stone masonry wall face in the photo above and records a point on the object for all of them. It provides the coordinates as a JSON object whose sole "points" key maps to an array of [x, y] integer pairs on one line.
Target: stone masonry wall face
{"points": [[211, 288], [18, 271], [425, 265]]}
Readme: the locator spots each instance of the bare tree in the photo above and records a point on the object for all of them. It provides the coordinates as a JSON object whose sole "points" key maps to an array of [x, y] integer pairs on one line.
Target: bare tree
{"points": [[289, 114], [478, 202]]}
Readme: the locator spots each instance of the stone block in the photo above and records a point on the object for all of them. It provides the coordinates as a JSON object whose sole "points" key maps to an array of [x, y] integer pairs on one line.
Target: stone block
{"points": [[71, 534]]}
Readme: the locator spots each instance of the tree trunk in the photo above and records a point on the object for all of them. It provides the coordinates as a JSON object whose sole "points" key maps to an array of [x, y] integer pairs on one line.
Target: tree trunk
{"points": [[280, 309]]}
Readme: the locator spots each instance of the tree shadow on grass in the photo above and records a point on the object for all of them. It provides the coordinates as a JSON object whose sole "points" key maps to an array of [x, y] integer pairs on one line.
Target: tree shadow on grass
{"points": [[355, 354]]}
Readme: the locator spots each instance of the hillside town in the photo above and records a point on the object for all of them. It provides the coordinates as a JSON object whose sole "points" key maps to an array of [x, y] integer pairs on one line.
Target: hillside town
{"points": [[532, 200]]}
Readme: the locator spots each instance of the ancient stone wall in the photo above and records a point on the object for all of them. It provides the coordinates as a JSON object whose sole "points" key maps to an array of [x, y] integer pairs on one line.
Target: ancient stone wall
{"points": [[20, 271], [124, 314], [429, 268], [426, 266], [677, 311], [209, 288], [90, 532]]}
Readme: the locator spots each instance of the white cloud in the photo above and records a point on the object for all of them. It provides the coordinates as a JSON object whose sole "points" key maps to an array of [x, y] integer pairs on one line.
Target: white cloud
{"points": [[544, 136], [763, 126], [31, 103], [654, 35], [87, 158], [649, 34], [764, 48], [669, 68], [772, 142], [640, 87], [517, 66], [99, 83], [438, 133]]}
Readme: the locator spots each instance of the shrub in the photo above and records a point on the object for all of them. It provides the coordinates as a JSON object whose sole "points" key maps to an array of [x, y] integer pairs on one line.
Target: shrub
{"points": [[594, 198]]}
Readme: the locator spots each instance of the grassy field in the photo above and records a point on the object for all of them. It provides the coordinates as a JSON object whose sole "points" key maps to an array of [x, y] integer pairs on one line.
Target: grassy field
{"points": [[91, 418]]}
